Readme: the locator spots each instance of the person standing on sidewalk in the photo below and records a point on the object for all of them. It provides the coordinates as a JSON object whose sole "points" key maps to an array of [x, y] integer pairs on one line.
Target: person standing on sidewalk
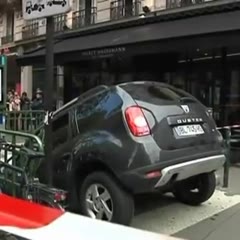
{"points": [[14, 108], [37, 105], [25, 116]]}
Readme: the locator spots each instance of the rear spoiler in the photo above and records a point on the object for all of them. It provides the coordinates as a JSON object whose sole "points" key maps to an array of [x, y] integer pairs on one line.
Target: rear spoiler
{"points": [[25, 220]]}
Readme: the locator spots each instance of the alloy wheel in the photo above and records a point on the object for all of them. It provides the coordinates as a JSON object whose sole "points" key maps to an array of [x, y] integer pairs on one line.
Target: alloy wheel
{"points": [[99, 203]]}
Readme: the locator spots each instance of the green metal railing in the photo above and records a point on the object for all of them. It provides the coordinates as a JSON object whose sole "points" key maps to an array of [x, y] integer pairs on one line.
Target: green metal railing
{"points": [[18, 163], [24, 121], [21, 158]]}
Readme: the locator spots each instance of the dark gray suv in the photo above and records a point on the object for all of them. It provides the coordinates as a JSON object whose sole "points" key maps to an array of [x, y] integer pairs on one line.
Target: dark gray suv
{"points": [[115, 142]]}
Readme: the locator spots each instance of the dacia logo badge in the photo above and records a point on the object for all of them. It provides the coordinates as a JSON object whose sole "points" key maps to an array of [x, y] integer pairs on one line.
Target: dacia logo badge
{"points": [[185, 108]]}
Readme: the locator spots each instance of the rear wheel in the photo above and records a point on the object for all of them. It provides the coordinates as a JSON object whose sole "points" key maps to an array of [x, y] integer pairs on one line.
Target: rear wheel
{"points": [[195, 190], [102, 198]]}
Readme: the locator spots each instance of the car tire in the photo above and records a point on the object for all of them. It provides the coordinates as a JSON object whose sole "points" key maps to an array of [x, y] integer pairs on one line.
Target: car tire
{"points": [[122, 203], [63, 4], [40, 9], [29, 11], [204, 183]]}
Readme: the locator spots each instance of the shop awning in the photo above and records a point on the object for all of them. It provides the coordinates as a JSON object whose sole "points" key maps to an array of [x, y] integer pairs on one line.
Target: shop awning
{"points": [[188, 27]]}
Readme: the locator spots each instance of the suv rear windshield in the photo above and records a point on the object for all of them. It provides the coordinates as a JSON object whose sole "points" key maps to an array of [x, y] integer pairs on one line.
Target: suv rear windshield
{"points": [[155, 92]]}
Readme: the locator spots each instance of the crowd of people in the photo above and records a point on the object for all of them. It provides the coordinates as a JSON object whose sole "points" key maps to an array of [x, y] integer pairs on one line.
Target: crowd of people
{"points": [[18, 107]]}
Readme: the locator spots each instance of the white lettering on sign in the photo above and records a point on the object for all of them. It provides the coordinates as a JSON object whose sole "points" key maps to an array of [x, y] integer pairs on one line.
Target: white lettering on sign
{"points": [[105, 51]]}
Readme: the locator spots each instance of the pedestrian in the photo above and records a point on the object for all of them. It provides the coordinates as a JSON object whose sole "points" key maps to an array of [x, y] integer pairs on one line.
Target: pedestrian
{"points": [[25, 107], [37, 106], [14, 109]]}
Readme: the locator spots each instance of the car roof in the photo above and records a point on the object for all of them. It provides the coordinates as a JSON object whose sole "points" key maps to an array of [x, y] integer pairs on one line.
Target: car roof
{"points": [[145, 83], [90, 93], [93, 91]]}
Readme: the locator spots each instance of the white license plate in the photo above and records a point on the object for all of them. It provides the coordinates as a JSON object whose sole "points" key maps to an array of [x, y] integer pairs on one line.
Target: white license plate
{"points": [[189, 130]]}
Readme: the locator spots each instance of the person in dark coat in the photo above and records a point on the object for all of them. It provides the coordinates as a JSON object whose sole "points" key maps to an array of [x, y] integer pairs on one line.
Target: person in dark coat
{"points": [[37, 106], [25, 107]]}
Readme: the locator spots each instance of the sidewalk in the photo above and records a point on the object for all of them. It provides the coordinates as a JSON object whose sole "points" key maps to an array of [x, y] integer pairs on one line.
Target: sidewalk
{"points": [[222, 226]]}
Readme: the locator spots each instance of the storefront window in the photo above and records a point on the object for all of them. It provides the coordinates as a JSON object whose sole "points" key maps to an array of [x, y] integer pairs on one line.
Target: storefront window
{"points": [[39, 80], [233, 98]]}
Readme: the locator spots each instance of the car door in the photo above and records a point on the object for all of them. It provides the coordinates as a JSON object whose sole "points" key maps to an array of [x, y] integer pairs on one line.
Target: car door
{"points": [[62, 149]]}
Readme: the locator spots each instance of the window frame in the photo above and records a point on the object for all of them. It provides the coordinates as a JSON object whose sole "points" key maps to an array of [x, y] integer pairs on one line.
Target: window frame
{"points": [[69, 132]]}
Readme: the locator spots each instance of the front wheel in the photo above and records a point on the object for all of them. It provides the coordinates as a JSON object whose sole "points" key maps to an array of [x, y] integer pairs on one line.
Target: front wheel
{"points": [[195, 190], [102, 198]]}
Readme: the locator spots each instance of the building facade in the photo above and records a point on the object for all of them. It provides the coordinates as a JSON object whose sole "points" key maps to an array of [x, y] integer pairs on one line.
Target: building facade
{"points": [[193, 44], [18, 36]]}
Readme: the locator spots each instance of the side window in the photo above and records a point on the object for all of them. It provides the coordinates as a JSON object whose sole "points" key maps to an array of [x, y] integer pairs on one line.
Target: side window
{"points": [[60, 130], [82, 115], [88, 112]]}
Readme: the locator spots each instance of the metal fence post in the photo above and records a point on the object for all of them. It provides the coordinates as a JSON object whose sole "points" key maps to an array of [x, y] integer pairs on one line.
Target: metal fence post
{"points": [[227, 137]]}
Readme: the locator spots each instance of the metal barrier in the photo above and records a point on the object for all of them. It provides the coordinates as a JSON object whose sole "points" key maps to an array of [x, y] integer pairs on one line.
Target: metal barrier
{"points": [[16, 163], [19, 167], [235, 145], [230, 136], [25, 121], [20, 138]]}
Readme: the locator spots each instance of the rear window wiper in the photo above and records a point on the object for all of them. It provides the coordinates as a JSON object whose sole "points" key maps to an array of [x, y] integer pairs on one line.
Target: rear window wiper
{"points": [[187, 99]]}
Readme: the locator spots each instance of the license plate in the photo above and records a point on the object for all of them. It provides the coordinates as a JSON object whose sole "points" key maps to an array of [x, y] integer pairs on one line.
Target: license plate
{"points": [[189, 130]]}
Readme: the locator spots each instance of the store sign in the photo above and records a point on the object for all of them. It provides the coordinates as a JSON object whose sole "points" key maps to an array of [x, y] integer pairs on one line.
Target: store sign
{"points": [[2, 60], [104, 52]]}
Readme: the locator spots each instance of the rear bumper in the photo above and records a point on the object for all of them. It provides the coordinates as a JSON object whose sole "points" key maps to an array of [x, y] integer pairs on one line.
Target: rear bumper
{"points": [[185, 170], [137, 182]]}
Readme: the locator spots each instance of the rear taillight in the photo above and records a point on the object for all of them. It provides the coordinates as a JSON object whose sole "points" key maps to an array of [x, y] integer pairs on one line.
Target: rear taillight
{"points": [[136, 121]]}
